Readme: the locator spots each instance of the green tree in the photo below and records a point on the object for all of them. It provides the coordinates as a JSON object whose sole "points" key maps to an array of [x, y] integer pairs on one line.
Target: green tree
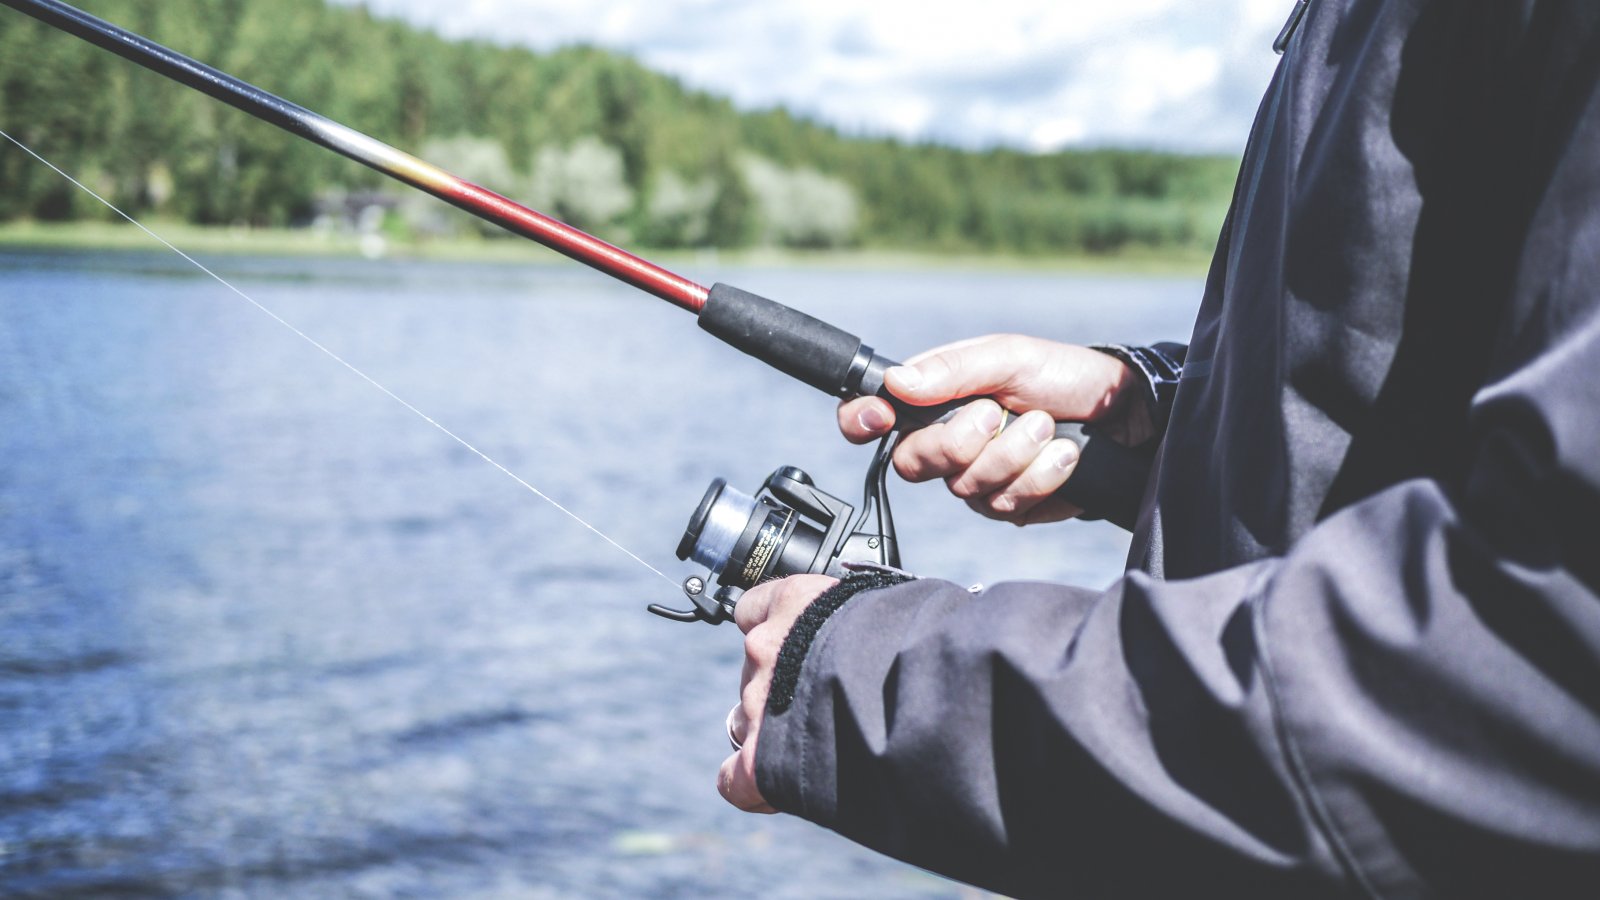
{"points": [[593, 135]]}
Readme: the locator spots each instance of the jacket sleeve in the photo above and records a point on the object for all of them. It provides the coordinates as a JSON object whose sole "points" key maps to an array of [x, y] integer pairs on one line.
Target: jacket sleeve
{"points": [[1406, 703]]}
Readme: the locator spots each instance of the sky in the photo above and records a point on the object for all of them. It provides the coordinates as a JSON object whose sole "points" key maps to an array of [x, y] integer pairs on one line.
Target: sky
{"points": [[1034, 74]]}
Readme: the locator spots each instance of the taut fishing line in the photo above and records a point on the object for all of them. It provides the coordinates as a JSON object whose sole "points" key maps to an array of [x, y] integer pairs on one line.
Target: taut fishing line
{"points": [[339, 359]]}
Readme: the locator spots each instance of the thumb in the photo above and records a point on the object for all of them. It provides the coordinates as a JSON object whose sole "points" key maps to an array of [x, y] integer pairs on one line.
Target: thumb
{"points": [[1070, 382], [969, 368]]}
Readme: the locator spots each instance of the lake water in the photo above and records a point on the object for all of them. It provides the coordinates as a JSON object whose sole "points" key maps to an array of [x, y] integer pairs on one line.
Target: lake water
{"points": [[265, 632]]}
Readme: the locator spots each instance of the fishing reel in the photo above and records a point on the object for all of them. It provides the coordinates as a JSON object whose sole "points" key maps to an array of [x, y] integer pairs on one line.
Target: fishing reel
{"points": [[790, 527]]}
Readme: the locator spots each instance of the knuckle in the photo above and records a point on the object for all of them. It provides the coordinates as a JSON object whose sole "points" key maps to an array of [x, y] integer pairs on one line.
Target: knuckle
{"points": [[761, 645], [750, 703], [981, 507], [751, 610], [962, 486], [1010, 343], [960, 455], [1027, 486], [1011, 457], [914, 459], [962, 450], [910, 468], [771, 639], [941, 366]]}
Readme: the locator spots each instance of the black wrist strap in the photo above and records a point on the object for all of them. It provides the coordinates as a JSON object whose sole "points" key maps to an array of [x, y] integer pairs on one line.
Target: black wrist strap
{"points": [[786, 674]]}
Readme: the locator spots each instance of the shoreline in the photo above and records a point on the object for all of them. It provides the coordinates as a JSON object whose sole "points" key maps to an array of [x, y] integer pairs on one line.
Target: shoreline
{"points": [[241, 241]]}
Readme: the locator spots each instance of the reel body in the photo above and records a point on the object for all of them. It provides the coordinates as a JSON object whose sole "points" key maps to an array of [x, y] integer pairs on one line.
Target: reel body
{"points": [[789, 527]]}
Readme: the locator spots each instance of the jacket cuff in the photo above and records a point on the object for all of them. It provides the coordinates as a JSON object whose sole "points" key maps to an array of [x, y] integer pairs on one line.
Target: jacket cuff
{"points": [[1160, 366], [789, 774], [792, 656]]}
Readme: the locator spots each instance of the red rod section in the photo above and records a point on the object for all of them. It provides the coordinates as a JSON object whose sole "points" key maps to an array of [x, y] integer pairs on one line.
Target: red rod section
{"points": [[579, 245], [319, 129]]}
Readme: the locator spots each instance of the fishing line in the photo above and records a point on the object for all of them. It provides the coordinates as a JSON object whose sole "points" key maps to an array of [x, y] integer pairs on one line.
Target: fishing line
{"points": [[339, 359]]}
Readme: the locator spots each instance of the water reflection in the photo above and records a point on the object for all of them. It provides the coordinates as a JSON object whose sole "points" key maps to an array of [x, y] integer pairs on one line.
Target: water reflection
{"points": [[262, 631]]}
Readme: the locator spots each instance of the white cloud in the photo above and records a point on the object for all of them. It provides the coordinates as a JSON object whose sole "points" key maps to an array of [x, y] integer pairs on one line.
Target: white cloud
{"points": [[1030, 73]]}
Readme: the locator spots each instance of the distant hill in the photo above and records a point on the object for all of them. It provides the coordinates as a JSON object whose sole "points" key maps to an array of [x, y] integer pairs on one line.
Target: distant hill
{"points": [[588, 135]]}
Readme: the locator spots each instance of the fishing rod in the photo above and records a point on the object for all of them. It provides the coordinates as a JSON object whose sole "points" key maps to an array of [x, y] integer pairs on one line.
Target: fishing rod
{"points": [[741, 539]]}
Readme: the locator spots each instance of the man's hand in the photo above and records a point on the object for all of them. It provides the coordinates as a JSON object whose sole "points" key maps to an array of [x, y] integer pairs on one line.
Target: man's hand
{"points": [[1011, 476], [765, 614]]}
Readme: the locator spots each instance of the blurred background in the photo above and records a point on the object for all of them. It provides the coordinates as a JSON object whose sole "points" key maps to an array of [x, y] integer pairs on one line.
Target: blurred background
{"points": [[686, 124], [264, 632]]}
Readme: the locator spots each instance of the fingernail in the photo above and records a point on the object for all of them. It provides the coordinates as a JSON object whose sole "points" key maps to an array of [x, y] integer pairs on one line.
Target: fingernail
{"points": [[987, 421], [906, 377], [872, 419], [1067, 455], [1040, 427]]}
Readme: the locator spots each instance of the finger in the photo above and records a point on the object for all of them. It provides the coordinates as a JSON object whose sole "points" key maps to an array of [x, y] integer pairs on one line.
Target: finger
{"points": [[754, 605], [948, 448], [736, 781], [1004, 460], [963, 369], [745, 718], [865, 419], [780, 601], [761, 648], [751, 667], [1051, 509], [1030, 498], [1070, 382], [916, 358], [738, 723]]}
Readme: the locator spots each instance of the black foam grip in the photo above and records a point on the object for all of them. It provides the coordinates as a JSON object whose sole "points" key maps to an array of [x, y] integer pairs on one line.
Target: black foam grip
{"points": [[786, 339]]}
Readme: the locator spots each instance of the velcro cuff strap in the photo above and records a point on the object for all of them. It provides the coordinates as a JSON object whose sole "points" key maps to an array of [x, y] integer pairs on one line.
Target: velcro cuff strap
{"points": [[786, 675]]}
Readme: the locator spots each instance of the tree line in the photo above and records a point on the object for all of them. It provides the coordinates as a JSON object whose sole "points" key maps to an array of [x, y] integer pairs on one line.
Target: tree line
{"points": [[585, 134]]}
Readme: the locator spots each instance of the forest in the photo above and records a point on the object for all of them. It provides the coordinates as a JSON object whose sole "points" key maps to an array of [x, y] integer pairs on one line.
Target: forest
{"points": [[588, 135]]}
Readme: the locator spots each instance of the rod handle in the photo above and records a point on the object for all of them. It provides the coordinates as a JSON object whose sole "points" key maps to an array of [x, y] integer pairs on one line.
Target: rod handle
{"points": [[1108, 482]]}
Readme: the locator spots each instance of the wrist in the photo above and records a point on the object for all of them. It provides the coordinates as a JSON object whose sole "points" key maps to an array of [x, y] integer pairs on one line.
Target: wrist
{"points": [[799, 637], [1142, 390]]}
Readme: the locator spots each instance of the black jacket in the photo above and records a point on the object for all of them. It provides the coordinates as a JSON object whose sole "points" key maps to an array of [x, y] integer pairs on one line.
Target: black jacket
{"points": [[1358, 647]]}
